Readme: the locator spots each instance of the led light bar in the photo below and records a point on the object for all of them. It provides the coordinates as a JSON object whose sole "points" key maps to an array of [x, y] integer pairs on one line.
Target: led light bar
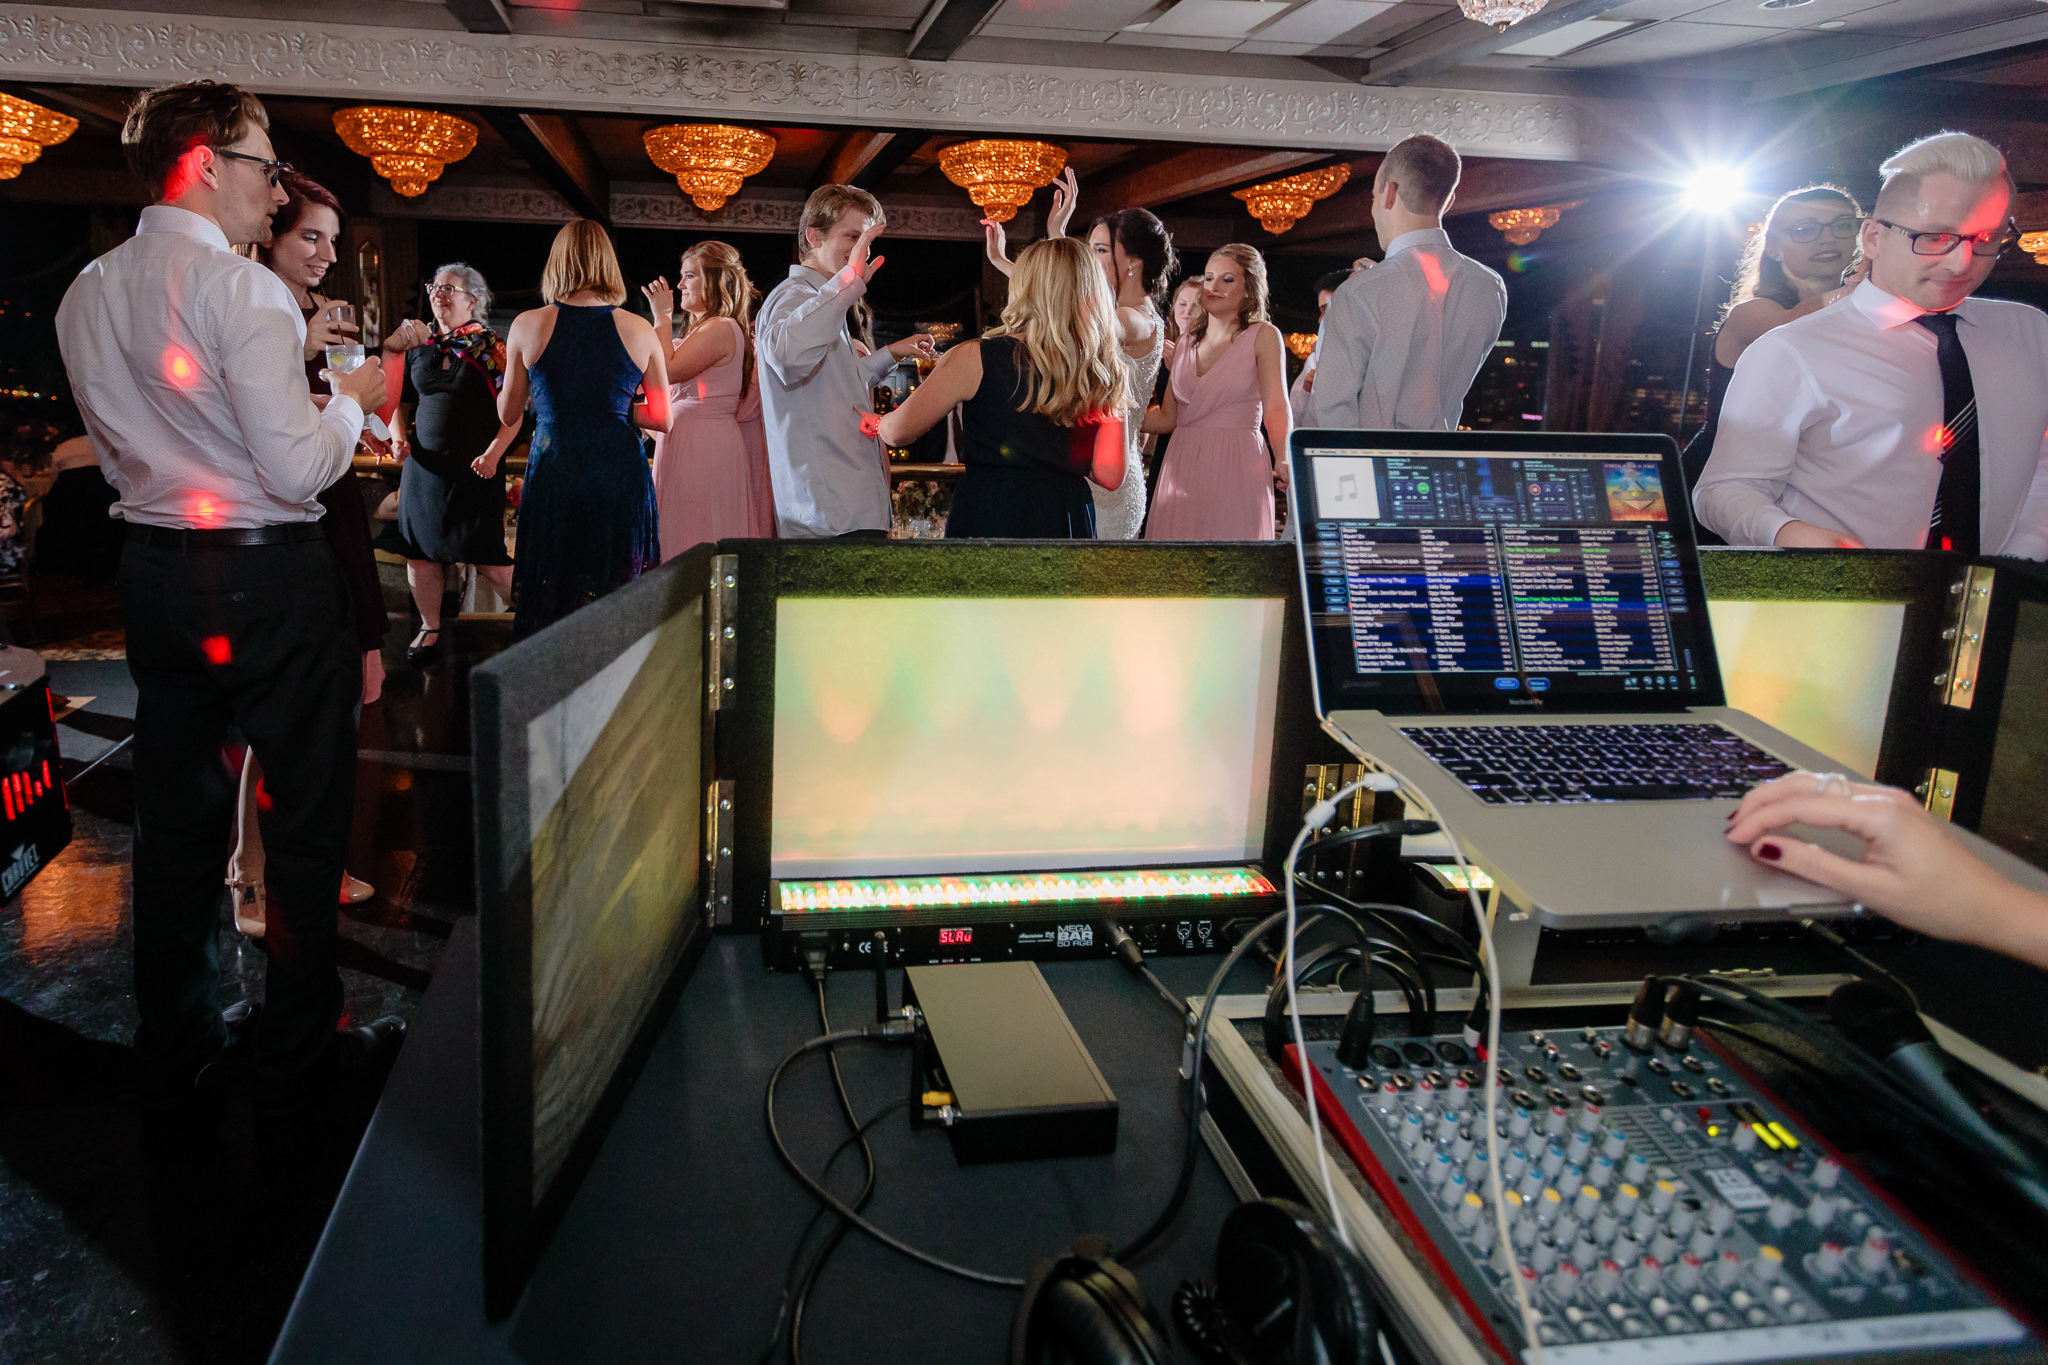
{"points": [[1025, 888]]}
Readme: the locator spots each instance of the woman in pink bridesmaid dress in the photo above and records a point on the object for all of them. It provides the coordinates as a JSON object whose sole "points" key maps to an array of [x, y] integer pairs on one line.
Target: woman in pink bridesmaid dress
{"points": [[705, 486], [1228, 378]]}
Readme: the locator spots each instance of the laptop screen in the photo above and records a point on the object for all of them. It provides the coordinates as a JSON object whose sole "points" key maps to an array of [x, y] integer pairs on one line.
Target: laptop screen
{"points": [[1463, 572]]}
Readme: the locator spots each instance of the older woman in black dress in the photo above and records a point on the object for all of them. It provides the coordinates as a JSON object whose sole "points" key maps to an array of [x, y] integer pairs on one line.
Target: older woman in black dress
{"points": [[451, 493]]}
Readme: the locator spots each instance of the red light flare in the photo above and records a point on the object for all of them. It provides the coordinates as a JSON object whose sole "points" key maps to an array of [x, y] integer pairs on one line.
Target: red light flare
{"points": [[1433, 271], [184, 173], [180, 369], [204, 510], [217, 650]]}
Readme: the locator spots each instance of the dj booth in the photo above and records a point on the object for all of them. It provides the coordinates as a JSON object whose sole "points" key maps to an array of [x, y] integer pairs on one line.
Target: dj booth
{"points": [[766, 782]]}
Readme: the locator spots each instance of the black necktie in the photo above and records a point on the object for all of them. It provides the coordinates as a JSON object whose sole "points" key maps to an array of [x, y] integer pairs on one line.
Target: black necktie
{"points": [[1954, 523]]}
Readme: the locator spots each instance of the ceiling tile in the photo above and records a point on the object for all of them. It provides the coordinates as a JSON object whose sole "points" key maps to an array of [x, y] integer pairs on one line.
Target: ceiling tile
{"points": [[1216, 18], [1659, 42], [1322, 21], [1143, 39], [1091, 16], [1559, 41]]}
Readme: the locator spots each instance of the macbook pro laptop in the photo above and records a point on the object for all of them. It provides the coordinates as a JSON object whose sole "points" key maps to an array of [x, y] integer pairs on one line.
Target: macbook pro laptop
{"points": [[1515, 623]]}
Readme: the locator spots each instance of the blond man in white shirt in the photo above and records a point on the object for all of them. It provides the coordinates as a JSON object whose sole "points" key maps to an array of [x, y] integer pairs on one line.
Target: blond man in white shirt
{"points": [[1843, 429], [185, 359]]}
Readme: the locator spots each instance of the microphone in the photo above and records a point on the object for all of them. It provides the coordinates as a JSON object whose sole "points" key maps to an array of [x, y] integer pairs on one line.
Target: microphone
{"points": [[1885, 1025]]}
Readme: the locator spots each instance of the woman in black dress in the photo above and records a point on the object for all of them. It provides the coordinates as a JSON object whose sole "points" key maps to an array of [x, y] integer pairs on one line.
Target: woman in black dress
{"points": [[451, 492], [1041, 403]]}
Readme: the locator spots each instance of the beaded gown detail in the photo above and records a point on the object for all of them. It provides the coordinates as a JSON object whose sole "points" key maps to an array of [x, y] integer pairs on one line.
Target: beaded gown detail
{"points": [[1120, 513], [1217, 481], [587, 518]]}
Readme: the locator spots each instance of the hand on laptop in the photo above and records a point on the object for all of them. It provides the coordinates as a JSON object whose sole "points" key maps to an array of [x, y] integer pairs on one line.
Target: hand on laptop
{"points": [[1911, 871]]}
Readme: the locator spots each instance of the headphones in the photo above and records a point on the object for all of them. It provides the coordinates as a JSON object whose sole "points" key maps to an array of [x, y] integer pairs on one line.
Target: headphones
{"points": [[1286, 1293]]}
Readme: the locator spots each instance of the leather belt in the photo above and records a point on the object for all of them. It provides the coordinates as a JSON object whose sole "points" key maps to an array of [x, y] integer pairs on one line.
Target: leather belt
{"points": [[179, 538]]}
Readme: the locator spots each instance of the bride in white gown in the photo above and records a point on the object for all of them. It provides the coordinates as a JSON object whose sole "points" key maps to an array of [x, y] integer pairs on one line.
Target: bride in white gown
{"points": [[1137, 257]]}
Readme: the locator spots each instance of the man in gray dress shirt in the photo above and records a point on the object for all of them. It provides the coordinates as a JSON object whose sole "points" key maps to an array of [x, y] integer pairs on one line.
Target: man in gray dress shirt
{"points": [[829, 479], [1403, 341]]}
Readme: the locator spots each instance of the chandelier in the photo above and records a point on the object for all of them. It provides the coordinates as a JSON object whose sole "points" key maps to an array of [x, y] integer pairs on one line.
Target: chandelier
{"points": [[1500, 13], [408, 147], [1280, 204], [709, 160], [25, 129], [1299, 344], [2035, 244], [999, 176], [1523, 226]]}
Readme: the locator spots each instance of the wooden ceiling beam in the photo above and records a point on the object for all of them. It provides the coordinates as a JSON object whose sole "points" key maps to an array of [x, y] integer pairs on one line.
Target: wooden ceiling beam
{"points": [[481, 16], [848, 157], [1183, 176], [558, 152], [945, 25]]}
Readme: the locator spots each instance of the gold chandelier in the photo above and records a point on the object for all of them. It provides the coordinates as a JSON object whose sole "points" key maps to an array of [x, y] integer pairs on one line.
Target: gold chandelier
{"points": [[1523, 226], [25, 129], [2035, 244], [1299, 344], [1280, 204], [1001, 176], [408, 147], [709, 160], [1499, 13]]}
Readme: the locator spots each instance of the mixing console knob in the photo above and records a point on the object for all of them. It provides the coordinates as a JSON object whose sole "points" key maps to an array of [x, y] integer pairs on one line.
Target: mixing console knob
{"points": [[1645, 1276], [1586, 1204], [1589, 1118], [1615, 1144], [1780, 1214], [1438, 1169], [1662, 1196], [1605, 1225], [1553, 1159], [1606, 1280], [1663, 1246], [1875, 1253], [1544, 1258], [1411, 1131], [1470, 1208], [1461, 1146], [1603, 1049], [1826, 1172], [1821, 1211], [1745, 1138], [1585, 1253], [1720, 1216], [1827, 1262], [1578, 1149], [1520, 1124], [1563, 1283], [1475, 1169], [1644, 1225], [1769, 1261], [1727, 1270], [1636, 1169], [1703, 1242], [1685, 1275], [1453, 1192], [1446, 1127], [1682, 1219], [1525, 1233], [1530, 1185], [1625, 1250], [1556, 1121], [1548, 1204], [1566, 1229], [1419, 1098], [1602, 1171], [1513, 1164]]}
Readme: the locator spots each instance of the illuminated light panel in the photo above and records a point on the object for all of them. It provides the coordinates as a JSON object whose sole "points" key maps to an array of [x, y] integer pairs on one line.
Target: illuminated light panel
{"points": [[1049, 888], [1463, 879]]}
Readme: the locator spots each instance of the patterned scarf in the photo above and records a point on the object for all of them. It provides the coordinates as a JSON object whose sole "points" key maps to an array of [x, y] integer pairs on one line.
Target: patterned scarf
{"points": [[476, 344]]}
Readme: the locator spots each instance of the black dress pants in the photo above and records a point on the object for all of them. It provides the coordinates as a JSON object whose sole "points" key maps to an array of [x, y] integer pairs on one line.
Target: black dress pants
{"points": [[260, 637]]}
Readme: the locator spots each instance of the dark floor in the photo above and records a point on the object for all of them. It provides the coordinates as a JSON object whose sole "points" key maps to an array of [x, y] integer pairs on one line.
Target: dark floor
{"points": [[115, 1245]]}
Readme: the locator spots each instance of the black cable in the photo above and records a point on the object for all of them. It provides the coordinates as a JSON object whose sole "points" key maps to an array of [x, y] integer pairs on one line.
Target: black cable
{"points": [[1131, 954], [832, 1201], [867, 1189], [1385, 910], [1826, 934]]}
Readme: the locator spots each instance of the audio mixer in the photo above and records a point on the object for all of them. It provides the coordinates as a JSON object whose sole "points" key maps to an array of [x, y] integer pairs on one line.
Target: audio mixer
{"points": [[1664, 1210]]}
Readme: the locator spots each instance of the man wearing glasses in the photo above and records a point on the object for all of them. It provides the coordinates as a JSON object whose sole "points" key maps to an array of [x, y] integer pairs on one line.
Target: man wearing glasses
{"points": [[185, 360], [1909, 415]]}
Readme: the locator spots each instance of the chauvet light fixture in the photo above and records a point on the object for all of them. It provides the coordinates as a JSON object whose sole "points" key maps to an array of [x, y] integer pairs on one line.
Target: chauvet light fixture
{"points": [[1500, 13], [1001, 176], [408, 147], [25, 129], [1523, 226], [709, 160], [1280, 204]]}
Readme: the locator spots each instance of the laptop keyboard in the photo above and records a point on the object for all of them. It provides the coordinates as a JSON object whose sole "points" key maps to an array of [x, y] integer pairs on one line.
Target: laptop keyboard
{"points": [[1547, 765]]}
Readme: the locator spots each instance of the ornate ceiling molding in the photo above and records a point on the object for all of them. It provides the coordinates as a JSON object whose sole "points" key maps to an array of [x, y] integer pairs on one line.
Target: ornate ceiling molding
{"points": [[316, 58]]}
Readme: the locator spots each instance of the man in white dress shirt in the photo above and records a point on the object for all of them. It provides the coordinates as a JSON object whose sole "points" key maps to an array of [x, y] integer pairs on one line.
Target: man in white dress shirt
{"points": [[1403, 341], [185, 360], [1909, 414]]}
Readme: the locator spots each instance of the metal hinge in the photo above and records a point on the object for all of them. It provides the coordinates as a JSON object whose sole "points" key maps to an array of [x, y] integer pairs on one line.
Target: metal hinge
{"points": [[718, 825], [1969, 609], [721, 659], [1938, 792]]}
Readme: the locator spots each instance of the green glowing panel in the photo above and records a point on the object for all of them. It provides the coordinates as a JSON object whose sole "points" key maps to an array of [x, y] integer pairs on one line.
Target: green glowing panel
{"points": [[927, 735], [1055, 888], [1819, 671]]}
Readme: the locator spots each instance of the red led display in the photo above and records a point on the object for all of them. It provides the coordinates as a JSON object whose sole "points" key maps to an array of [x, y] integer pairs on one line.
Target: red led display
{"points": [[954, 938]]}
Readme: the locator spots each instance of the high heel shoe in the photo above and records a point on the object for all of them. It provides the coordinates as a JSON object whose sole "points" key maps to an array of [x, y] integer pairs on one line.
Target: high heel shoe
{"points": [[422, 646], [354, 890], [250, 907]]}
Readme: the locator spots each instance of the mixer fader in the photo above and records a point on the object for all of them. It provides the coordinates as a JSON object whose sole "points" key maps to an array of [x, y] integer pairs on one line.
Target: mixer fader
{"points": [[1662, 1208]]}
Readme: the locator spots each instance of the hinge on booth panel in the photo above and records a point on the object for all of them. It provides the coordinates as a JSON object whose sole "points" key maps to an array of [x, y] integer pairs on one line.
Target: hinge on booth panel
{"points": [[721, 660], [1938, 792], [1969, 610], [718, 831]]}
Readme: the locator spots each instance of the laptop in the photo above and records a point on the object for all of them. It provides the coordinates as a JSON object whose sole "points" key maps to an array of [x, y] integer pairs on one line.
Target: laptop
{"points": [[1515, 623]]}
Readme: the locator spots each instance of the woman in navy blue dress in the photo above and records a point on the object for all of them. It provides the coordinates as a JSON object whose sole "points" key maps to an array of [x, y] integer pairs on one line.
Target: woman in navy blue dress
{"points": [[586, 519]]}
